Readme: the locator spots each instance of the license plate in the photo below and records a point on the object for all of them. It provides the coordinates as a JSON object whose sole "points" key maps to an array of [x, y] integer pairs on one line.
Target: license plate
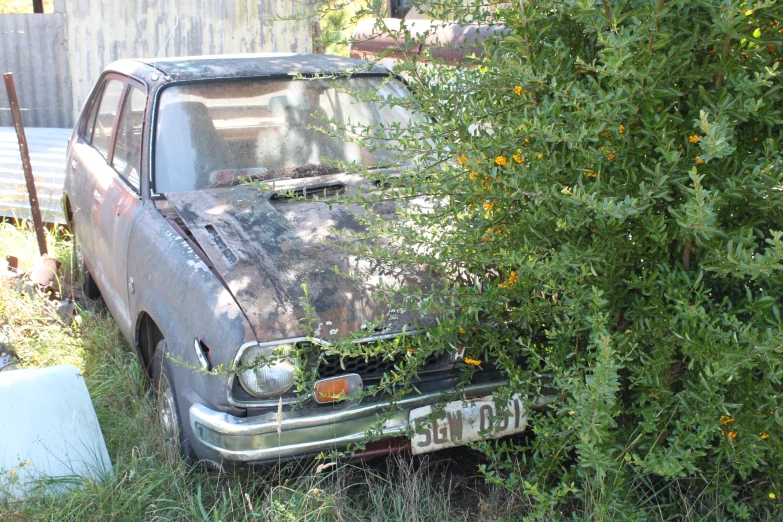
{"points": [[460, 422]]}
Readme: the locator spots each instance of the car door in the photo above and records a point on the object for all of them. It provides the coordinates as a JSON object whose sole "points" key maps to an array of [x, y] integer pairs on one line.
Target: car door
{"points": [[111, 164], [120, 199], [88, 162]]}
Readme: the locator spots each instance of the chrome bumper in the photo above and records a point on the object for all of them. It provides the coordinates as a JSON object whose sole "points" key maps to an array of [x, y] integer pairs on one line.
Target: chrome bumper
{"points": [[303, 432]]}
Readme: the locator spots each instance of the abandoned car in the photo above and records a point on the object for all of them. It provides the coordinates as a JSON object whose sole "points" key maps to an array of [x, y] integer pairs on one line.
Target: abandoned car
{"points": [[204, 270]]}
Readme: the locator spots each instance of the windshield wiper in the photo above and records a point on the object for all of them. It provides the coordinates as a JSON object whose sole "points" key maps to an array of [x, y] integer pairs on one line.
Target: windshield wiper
{"points": [[304, 171]]}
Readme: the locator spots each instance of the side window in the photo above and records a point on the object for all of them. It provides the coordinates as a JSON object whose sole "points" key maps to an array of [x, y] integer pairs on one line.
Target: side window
{"points": [[110, 101], [89, 122], [127, 147]]}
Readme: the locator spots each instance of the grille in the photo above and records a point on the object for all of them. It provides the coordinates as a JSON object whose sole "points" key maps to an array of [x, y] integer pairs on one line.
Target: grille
{"points": [[369, 367]]}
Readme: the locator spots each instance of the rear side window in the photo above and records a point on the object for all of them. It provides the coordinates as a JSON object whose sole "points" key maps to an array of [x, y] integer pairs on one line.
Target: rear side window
{"points": [[127, 147], [104, 120], [89, 122]]}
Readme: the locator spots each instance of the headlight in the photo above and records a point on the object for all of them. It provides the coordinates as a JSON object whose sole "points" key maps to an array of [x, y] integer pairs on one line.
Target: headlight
{"points": [[267, 371]]}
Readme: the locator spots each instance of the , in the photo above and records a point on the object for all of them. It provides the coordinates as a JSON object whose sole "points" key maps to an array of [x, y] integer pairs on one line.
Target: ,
{"points": [[195, 189]]}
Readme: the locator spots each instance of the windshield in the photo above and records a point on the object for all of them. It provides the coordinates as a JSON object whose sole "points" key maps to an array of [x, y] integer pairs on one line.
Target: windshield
{"points": [[209, 134]]}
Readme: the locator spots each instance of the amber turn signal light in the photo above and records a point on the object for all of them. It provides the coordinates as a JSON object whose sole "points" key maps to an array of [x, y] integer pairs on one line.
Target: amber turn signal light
{"points": [[337, 388]]}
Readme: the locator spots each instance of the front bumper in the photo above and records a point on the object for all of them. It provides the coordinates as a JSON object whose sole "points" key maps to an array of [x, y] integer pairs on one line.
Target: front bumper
{"points": [[305, 432]]}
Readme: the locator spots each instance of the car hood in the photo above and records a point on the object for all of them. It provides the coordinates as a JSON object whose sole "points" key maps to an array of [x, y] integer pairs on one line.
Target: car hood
{"points": [[268, 249]]}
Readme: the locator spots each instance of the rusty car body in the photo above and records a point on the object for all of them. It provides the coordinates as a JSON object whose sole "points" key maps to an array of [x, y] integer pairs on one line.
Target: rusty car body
{"points": [[200, 269]]}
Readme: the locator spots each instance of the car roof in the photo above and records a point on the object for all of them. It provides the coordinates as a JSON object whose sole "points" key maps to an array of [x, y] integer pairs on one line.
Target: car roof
{"points": [[241, 65]]}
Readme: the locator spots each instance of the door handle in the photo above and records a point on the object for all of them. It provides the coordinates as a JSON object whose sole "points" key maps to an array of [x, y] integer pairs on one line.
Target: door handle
{"points": [[74, 164], [97, 196]]}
